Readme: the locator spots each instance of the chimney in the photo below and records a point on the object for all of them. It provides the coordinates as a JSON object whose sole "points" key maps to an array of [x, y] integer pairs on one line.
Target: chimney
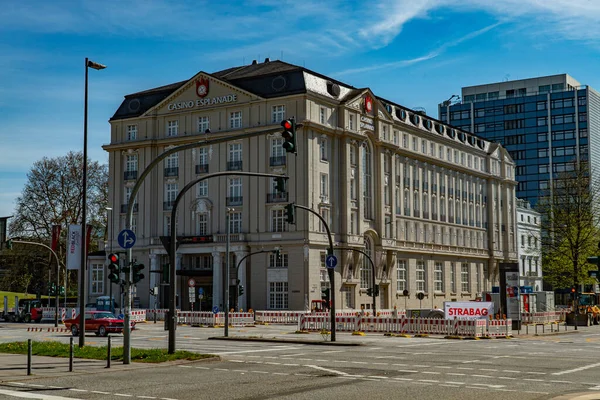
{"points": [[254, 62], [267, 60]]}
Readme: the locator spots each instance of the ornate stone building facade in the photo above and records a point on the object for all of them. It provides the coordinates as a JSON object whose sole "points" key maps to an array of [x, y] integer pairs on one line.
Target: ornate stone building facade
{"points": [[433, 206]]}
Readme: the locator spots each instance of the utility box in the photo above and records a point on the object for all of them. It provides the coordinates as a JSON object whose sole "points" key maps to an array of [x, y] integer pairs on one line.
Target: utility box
{"points": [[545, 301]]}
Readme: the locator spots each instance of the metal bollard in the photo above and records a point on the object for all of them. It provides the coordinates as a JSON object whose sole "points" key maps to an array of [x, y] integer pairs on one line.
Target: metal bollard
{"points": [[108, 355], [71, 354], [28, 356]]}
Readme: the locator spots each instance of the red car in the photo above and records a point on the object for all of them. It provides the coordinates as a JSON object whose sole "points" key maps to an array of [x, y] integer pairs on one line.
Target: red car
{"points": [[100, 322]]}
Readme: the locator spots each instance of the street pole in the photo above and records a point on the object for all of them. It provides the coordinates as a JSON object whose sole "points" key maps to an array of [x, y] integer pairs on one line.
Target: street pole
{"points": [[330, 271], [112, 231], [172, 319], [228, 231], [237, 268], [57, 278], [82, 266]]}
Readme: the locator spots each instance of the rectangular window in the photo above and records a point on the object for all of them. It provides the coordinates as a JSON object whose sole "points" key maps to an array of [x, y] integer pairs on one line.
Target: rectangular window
{"points": [[235, 120], [544, 89], [542, 121], [438, 277], [202, 224], [131, 163], [131, 132], [235, 187], [324, 188], [202, 188], [542, 105], [351, 122], [323, 148], [421, 281], [278, 223], [493, 95], [278, 260], [401, 276], [277, 114], [278, 295], [464, 278], [235, 152], [542, 153], [97, 281], [203, 124], [405, 140], [235, 222], [453, 277], [171, 192], [322, 116], [324, 211], [172, 128]]}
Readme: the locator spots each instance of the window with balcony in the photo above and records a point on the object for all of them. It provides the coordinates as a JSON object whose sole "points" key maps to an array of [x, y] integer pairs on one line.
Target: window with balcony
{"points": [[172, 165], [202, 166], [203, 124], [234, 159], [324, 179], [276, 196], [234, 192], [131, 167], [277, 153], [171, 191], [202, 224], [172, 128]]}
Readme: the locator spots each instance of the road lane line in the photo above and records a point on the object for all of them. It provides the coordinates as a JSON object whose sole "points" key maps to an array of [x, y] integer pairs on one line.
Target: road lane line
{"points": [[576, 369], [29, 395], [333, 371]]}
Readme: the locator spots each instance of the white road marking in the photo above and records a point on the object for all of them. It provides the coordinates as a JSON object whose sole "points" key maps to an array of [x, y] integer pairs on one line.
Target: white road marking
{"points": [[77, 390], [403, 379], [535, 373], [442, 366], [455, 374], [431, 372], [379, 363], [333, 371], [533, 380], [145, 397], [279, 373], [408, 370], [506, 377], [512, 371], [576, 369], [122, 395], [291, 365], [428, 380], [256, 351], [30, 395], [99, 392], [481, 376], [334, 351]]}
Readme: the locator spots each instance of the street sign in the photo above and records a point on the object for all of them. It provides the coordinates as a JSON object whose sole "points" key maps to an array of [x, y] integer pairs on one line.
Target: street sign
{"points": [[200, 291], [200, 296], [126, 238], [191, 283], [215, 310], [331, 261], [192, 295]]}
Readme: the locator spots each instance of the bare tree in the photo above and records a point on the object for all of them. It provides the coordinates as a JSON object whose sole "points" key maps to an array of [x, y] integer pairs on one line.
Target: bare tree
{"points": [[52, 196], [570, 227]]}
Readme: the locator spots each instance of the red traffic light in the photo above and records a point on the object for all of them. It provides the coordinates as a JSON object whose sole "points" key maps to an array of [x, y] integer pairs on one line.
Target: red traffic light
{"points": [[113, 258], [572, 290], [287, 124]]}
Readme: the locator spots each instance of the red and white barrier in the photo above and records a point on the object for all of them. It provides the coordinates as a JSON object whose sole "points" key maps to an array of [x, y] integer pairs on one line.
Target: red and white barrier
{"points": [[138, 315]]}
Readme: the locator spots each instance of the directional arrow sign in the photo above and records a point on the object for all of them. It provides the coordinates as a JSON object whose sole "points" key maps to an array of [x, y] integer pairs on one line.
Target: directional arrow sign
{"points": [[331, 261], [126, 238]]}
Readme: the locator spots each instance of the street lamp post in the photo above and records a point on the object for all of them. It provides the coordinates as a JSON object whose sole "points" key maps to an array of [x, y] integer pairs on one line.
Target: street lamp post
{"points": [[82, 266], [112, 231]]}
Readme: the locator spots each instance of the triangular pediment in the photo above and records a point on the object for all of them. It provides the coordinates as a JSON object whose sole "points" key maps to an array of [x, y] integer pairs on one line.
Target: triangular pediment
{"points": [[201, 92]]}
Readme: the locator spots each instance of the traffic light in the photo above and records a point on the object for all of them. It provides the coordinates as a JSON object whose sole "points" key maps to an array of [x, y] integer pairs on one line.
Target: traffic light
{"points": [[325, 295], [240, 290], [277, 253], [290, 213], [114, 268], [370, 292], [61, 290], [289, 135], [280, 184], [376, 290], [573, 292], [137, 272], [9, 244], [52, 289]]}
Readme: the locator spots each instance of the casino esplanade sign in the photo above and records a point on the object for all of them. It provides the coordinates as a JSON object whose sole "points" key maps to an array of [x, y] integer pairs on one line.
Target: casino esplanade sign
{"points": [[202, 89]]}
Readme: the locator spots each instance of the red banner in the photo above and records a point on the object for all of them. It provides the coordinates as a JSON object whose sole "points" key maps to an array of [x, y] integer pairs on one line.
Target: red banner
{"points": [[55, 236]]}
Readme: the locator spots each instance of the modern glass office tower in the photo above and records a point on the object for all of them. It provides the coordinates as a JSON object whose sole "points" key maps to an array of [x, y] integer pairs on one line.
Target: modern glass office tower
{"points": [[548, 124]]}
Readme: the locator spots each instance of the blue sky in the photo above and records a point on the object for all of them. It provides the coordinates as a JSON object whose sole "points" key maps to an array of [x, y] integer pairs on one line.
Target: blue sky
{"points": [[415, 52]]}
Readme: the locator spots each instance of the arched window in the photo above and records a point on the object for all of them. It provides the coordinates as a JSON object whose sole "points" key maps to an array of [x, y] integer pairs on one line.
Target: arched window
{"points": [[366, 270], [367, 181]]}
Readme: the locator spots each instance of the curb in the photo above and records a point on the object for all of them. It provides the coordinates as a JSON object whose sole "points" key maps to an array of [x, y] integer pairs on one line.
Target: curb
{"points": [[276, 340]]}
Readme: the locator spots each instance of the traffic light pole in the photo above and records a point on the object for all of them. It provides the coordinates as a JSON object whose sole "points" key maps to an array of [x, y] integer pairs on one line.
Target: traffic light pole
{"points": [[330, 271], [372, 273], [172, 322], [237, 268], [57, 273], [130, 205]]}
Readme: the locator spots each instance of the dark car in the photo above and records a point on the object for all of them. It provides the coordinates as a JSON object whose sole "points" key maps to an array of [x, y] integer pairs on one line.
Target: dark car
{"points": [[100, 322]]}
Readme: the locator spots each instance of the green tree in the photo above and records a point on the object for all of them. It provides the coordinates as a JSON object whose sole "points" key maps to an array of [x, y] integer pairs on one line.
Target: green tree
{"points": [[570, 227]]}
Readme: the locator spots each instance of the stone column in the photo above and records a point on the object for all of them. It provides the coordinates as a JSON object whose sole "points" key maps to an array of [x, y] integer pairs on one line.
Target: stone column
{"points": [[217, 280], [241, 276]]}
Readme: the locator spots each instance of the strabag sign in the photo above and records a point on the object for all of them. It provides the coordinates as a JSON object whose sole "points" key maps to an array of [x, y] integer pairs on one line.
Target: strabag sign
{"points": [[468, 309]]}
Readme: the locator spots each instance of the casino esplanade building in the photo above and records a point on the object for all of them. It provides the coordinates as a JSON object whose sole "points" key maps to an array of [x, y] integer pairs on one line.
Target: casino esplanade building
{"points": [[432, 206]]}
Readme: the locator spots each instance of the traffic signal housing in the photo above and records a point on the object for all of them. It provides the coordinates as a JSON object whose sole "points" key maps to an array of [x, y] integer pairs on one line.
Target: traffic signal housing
{"points": [[165, 273], [290, 213], [9, 244], [289, 135], [240, 290], [61, 290], [137, 272], [325, 293], [114, 268], [376, 290], [370, 292], [52, 289]]}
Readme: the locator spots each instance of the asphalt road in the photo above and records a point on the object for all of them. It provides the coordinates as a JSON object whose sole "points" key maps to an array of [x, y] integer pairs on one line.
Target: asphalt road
{"points": [[384, 367]]}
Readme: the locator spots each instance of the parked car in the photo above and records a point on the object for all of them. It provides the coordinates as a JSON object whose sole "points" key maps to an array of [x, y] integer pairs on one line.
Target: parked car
{"points": [[100, 322]]}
